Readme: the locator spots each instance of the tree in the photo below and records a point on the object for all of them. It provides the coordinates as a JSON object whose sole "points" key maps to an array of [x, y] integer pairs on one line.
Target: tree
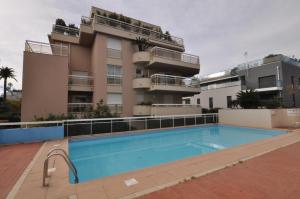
{"points": [[6, 73], [101, 111], [248, 99], [142, 43]]}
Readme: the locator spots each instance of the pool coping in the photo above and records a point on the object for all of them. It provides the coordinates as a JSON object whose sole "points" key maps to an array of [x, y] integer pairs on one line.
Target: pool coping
{"points": [[150, 179]]}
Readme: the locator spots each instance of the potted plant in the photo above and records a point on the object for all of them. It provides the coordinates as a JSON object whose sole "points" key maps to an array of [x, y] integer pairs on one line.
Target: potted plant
{"points": [[59, 25], [142, 43], [113, 16], [73, 30]]}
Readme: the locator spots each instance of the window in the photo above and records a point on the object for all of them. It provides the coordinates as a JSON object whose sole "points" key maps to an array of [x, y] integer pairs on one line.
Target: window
{"points": [[267, 81], [114, 74], [198, 101], [211, 103], [187, 101], [229, 102], [114, 98], [292, 82], [114, 48]]}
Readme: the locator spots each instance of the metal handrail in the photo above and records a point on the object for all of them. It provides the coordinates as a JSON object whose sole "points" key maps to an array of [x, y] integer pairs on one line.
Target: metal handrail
{"points": [[67, 160]]}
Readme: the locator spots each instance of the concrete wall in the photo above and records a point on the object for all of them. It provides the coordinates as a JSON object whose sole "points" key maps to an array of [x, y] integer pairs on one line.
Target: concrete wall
{"points": [[45, 85], [80, 58], [219, 96], [260, 118], [11, 136]]}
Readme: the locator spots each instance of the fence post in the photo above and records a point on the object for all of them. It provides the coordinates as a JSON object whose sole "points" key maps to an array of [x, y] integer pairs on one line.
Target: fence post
{"points": [[129, 123], [111, 126], [91, 129], [184, 122], [160, 122], [173, 121], [195, 120], [146, 123]]}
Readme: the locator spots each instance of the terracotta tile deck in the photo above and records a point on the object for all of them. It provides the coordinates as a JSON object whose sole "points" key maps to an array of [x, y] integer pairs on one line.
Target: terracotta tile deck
{"points": [[13, 161], [149, 179], [275, 175]]}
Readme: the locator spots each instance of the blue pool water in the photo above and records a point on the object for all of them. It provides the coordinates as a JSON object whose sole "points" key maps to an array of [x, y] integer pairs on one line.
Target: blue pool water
{"points": [[106, 156]]}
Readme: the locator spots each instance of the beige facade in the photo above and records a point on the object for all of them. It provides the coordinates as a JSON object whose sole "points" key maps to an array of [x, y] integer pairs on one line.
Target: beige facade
{"points": [[101, 61]]}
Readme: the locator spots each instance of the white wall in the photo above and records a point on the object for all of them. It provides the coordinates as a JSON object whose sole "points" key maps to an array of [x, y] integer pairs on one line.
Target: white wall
{"points": [[219, 96]]}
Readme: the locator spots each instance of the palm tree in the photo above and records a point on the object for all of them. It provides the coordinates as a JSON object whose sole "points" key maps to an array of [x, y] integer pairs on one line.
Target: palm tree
{"points": [[6, 73], [248, 99]]}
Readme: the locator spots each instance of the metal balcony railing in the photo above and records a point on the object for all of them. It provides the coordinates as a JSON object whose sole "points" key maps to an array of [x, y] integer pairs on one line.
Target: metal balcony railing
{"points": [[78, 80], [152, 34], [65, 30], [169, 80], [174, 55], [80, 107], [175, 105], [115, 108], [223, 85], [45, 48], [114, 79]]}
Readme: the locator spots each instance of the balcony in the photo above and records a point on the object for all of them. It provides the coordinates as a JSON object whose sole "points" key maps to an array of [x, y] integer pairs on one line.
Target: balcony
{"points": [[223, 85], [169, 60], [171, 83], [81, 83], [65, 33], [80, 107], [130, 31], [166, 109], [45, 48], [142, 82]]}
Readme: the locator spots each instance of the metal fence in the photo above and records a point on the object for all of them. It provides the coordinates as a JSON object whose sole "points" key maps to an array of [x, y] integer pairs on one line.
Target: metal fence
{"points": [[112, 125], [16, 125], [152, 34], [79, 80], [65, 30], [80, 107], [174, 55], [45, 48], [170, 80]]}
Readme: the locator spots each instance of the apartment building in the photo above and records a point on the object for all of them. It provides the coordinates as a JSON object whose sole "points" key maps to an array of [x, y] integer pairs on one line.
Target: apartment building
{"points": [[275, 76], [104, 59]]}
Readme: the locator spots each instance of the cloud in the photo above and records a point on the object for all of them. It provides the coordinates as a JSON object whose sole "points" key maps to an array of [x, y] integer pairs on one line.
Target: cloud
{"points": [[218, 31]]}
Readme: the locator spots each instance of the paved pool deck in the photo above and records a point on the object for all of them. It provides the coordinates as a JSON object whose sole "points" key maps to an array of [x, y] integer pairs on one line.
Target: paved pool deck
{"points": [[149, 179], [13, 161], [275, 175]]}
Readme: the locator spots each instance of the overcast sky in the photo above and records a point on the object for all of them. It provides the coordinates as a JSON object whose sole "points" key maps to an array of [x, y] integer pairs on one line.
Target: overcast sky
{"points": [[219, 31]]}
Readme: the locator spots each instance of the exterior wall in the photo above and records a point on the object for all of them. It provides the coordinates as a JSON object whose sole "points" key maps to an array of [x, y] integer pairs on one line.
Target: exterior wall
{"points": [[257, 118], [260, 118], [219, 96], [288, 71], [129, 96], [98, 63], [175, 110], [80, 58], [45, 85]]}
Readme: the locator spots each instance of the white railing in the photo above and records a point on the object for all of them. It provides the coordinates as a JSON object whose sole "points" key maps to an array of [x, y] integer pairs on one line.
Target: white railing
{"points": [[110, 125], [79, 80], [114, 79], [65, 30], [45, 48], [86, 21], [80, 107], [14, 125], [152, 34], [176, 105], [170, 80], [174, 55], [223, 85], [113, 53]]}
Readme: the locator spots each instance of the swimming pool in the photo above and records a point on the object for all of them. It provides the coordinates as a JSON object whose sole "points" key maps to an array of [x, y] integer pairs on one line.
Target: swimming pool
{"points": [[106, 156]]}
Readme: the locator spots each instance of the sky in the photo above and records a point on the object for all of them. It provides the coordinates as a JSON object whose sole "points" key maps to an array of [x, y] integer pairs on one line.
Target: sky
{"points": [[218, 31]]}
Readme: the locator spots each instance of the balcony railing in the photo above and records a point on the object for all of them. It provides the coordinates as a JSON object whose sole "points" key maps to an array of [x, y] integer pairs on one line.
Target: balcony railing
{"points": [[169, 80], [155, 35], [78, 80], [115, 108], [86, 21], [223, 85], [114, 79], [113, 53], [80, 107], [45, 48], [65, 30], [175, 55], [176, 105]]}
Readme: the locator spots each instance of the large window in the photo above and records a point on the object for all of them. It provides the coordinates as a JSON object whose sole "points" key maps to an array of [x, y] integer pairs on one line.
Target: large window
{"points": [[211, 103], [114, 48], [267, 81], [229, 102], [114, 74]]}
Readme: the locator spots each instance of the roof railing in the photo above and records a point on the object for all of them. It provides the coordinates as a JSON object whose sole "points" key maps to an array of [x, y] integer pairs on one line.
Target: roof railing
{"points": [[46, 48], [65, 30]]}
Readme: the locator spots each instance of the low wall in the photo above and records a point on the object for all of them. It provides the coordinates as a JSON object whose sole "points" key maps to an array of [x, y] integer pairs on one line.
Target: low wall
{"points": [[22, 135], [260, 118]]}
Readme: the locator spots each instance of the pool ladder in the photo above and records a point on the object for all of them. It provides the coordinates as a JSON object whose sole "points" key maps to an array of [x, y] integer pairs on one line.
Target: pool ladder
{"points": [[56, 151]]}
